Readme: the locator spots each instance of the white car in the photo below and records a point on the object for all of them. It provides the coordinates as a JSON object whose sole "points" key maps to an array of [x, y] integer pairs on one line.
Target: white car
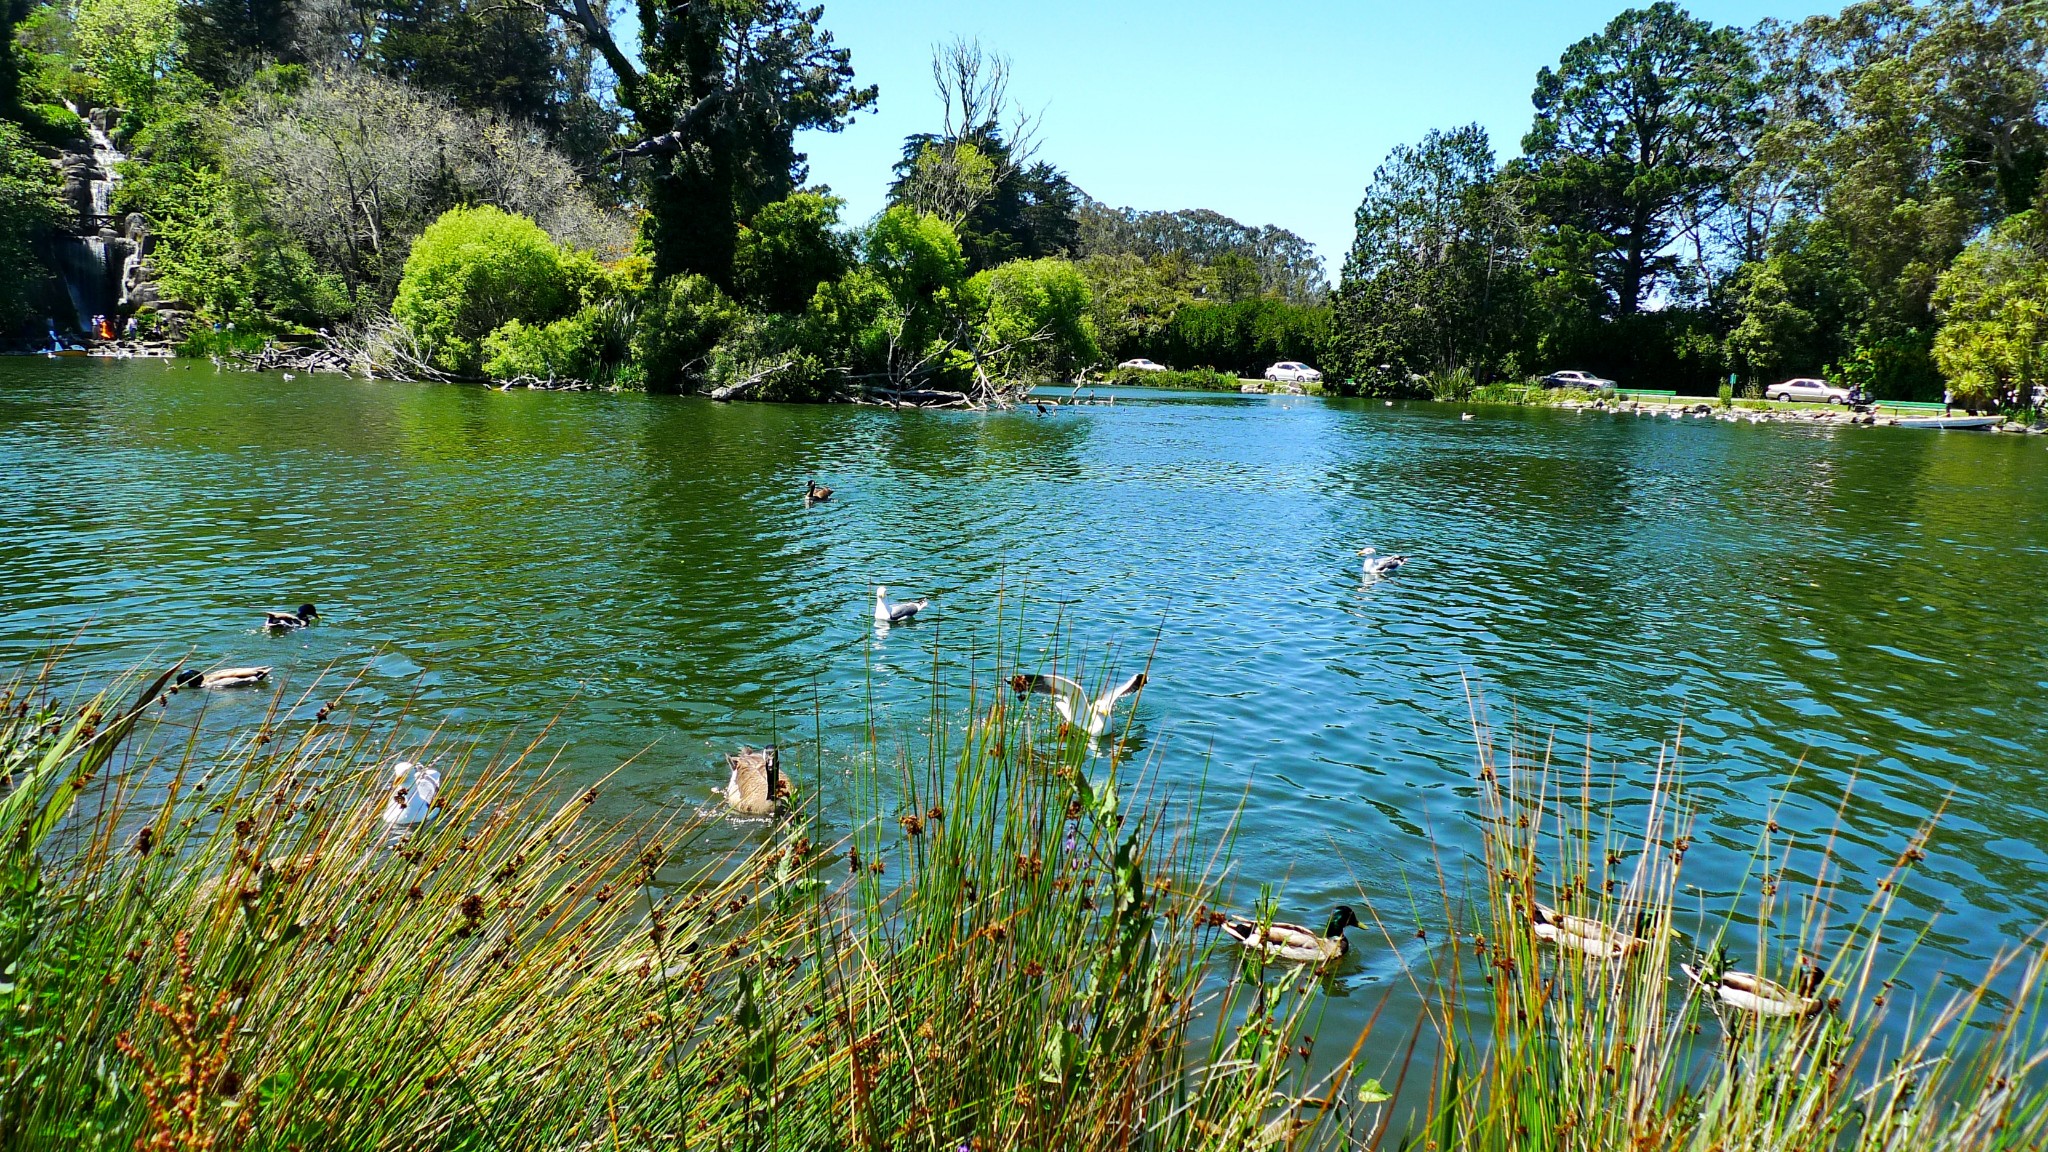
{"points": [[1293, 372], [1576, 379], [1142, 365], [1809, 389]]}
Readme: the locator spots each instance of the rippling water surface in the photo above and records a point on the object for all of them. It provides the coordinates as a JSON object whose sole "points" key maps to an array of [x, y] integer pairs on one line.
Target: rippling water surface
{"points": [[1810, 605]]}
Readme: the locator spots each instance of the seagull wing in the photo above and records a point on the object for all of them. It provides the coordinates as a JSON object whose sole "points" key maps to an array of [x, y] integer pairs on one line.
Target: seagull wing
{"points": [[1068, 697], [1122, 690], [901, 612]]}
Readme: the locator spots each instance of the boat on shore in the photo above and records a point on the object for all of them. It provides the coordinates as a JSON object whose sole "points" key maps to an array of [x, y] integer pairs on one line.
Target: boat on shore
{"points": [[1955, 422]]}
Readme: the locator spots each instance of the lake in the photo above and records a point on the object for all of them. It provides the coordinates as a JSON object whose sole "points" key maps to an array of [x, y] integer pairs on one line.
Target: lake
{"points": [[1809, 605]]}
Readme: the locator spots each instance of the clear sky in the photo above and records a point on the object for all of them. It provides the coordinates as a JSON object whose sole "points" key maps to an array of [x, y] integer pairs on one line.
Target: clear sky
{"points": [[1273, 113]]}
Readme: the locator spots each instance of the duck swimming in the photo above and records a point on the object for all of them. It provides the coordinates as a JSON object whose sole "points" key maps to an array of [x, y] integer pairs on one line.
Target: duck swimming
{"points": [[224, 677], [815, 493], [757, 786], [1748, 992], [1293, 942], [290, 621], [1590, 937]]}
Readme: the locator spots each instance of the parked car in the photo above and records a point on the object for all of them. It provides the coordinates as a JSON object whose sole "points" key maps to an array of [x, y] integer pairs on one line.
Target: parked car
{"points": [[1142, 365], [1573, 378], [1809, 389], [1293, 372]]}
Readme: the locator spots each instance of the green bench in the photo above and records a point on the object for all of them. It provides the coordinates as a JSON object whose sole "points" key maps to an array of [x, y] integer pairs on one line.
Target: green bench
{"points": [[1910, 405], [1633, 393]]}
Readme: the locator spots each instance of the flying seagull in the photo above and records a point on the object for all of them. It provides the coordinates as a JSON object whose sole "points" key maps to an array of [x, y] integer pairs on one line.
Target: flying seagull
{"points": [[1071, 701], [895, 613]]}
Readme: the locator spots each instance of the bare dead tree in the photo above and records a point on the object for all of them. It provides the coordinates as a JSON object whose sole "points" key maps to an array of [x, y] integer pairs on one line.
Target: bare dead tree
{"points": [[973, 86]]}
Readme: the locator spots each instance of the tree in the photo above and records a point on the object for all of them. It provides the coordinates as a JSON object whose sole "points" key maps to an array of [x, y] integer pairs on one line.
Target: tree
{"points": [[1636, 130], [354, 166], [1288, 265], [228, 40], [29, 211], [1435, 278], [978, 171], [129, 46], [479, 53], [789, 249], [1034, 322], [718, 93], [1994, 308]]}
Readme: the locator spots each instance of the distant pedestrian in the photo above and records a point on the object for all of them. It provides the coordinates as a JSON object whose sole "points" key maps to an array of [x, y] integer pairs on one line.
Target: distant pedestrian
{"points": [[1948, 400], [131, 328]]}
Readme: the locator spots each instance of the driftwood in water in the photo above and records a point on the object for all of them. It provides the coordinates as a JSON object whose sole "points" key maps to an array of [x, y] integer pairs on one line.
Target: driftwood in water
{"points": [[728, 391]]}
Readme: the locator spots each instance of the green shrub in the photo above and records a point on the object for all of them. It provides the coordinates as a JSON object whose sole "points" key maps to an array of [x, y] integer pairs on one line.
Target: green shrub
{"points": [[51, 124], [788, 250], [1452, 384], [1727, 395], [1193, 380], [29, 208], [682, 320], [473, 271], [1034, 319], [589, 347]]}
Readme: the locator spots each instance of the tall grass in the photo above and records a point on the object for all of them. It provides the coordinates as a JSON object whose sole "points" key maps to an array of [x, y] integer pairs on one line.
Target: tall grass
{"points": [[1010, 945]]}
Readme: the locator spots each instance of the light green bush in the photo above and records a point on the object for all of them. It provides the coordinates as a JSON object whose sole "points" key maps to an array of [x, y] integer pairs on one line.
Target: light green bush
{"points": [[1034, 319], [473, 271]]}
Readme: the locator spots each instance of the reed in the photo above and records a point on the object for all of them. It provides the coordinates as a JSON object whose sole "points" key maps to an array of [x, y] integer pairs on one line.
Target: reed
{"points": [[1011, 944]]}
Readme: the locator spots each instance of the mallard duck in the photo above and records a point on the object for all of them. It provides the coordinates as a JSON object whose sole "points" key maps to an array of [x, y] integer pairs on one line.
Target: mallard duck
{"points": [[1071, 701], [757, 786], [287, 621], [815, 493], [1292, 942], [223, 678], [890, 612], [412, 796], [1591, 937], [1748, 992], [1377, 566]]}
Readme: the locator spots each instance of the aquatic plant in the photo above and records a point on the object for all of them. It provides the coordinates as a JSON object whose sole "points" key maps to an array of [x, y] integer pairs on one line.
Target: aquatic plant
{"points": [[1011, 944]]}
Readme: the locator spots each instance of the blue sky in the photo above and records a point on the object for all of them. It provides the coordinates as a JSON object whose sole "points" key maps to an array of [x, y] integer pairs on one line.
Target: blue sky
{"points": [[1273, 113]]}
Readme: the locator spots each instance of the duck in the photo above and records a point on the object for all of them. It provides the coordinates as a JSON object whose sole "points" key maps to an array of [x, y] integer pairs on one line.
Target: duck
{"points": [[757, 786], [815, 493], [887, 612], [1293, 942], [224, 677], [290, 621], [1071, 701], [1590, 937], [1750, 993], [1377, 566], [412, 796]]}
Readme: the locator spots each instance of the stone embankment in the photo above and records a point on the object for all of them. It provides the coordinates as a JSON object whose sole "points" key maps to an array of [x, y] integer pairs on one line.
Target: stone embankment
{"points": [[1739, 415]]}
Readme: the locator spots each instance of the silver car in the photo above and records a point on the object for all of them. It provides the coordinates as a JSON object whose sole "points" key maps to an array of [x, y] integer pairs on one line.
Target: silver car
{"points": [[1810, 390], [1293, 372]]}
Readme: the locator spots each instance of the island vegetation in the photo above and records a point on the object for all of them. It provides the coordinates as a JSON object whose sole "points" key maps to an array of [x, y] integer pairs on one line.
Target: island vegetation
{"points": [[501, 191]]}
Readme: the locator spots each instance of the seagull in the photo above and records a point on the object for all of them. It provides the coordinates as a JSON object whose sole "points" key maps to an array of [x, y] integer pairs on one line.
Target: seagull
{"points": [[1377, 566], [288, 621], [814, 493], [1071, 701], [1390, 403], [888, 613], [223, 678], [290, 376], [757, 786], [414, 804], [1465, 416]]}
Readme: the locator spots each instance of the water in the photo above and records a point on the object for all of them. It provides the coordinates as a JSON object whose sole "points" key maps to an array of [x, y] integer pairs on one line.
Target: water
{"points": [[1811, 605]]}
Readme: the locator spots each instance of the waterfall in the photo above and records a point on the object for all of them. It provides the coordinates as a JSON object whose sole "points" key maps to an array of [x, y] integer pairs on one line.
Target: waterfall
{"points": [[89, 279]]}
